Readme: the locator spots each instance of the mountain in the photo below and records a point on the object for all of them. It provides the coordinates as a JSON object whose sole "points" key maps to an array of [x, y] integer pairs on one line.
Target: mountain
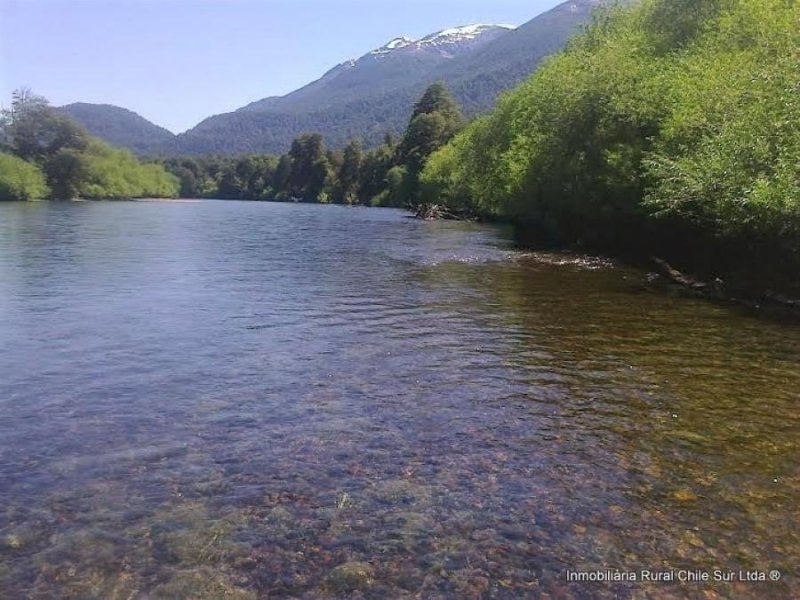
{"points": [[364, 97], [478, 79], [372, 95], [398, 64], [121, 127]]}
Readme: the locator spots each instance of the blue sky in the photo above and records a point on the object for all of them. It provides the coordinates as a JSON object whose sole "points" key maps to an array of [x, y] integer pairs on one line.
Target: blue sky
{"points": [[176, 62]]}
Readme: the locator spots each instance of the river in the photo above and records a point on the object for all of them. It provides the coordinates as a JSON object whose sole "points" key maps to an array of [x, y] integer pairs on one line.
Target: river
{"points": [[250, 400]]}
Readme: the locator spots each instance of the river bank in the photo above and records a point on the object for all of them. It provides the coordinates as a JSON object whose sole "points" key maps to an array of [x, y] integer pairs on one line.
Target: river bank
{"points": [[735, 272], [753, 284]]}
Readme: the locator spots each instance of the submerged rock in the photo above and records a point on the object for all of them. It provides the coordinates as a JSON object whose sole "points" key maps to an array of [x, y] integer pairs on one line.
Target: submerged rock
{"points": [[201, 583], [349, 577], [400, 491], [684, 495]]}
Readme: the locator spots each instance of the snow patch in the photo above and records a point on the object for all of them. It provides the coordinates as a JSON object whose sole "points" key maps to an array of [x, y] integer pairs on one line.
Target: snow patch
{"points": [[395, 44], [454, 35], [460, 34], [399, 43]]}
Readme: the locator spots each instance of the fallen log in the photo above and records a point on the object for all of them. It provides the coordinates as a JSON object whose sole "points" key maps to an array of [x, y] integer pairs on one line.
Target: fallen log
{"points": [[673, 274], [719, 290]]}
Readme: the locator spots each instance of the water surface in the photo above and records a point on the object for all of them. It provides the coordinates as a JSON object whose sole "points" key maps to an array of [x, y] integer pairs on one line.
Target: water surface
{"points": [[252, 400]]}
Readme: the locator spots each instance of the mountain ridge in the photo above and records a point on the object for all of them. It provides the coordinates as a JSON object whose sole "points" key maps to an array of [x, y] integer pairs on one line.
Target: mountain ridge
{"points": [[398, 63], [119, 126], [373, 95]]}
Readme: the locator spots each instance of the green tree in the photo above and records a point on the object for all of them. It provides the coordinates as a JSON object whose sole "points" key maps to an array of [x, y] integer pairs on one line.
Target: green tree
{"points": [[309, 168], [398, 187], [280, 178], [349, 175], [435, 119], [189, 174], [35, 131], [20, 180], [374, 169], [65, 171], [673, 25], [437, 99]]}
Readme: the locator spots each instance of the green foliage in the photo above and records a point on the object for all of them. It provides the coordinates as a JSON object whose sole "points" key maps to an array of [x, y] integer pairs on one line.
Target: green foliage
{"points": [[398, 187], [20, 180], [435, 119], [247, 178], [448, 176], [309, 170], [36, 132], [349, 174], [121, 128], [558, 151], [66, 170], [374, 168], [110, 173], [673, 25], [75, 164], [384, 176], [437, 99], [728, 158], [667, 126], [250, 177]]}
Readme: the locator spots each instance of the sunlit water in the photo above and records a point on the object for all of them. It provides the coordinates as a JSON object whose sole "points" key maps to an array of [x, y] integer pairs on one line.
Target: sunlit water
{"points": [[252, 400]]}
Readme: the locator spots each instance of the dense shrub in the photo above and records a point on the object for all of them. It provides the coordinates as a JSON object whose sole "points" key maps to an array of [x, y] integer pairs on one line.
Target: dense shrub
{"points": [[664, 119], [20, 180]]}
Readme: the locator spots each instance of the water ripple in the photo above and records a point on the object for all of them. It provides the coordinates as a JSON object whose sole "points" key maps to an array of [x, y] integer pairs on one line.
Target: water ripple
{"points": [[223, 399]]}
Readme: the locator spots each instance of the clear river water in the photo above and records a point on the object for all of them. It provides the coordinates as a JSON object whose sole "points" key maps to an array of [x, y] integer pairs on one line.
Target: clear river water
{"points": [[252, 400]]}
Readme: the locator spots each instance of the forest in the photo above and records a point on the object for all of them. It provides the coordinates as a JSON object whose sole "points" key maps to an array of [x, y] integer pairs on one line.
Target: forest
{"points": [[44, 154], [668, 128], [386, 175]]}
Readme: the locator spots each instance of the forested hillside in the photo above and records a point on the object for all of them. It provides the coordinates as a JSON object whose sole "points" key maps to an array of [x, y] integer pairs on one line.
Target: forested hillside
{"points": [[399, 64], [477, 80], [669, 127], [44, 154], [376, 101], [121, 127]]}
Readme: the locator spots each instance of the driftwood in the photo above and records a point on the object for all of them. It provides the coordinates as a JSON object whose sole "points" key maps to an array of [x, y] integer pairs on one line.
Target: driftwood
{"points": [[433, 212], [718, 289], [674, 275], [781, 299]]}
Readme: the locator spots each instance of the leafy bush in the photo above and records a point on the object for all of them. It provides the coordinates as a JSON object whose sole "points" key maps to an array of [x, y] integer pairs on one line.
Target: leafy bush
{"points": [[663, 119], [111, 173], [20, 180]]}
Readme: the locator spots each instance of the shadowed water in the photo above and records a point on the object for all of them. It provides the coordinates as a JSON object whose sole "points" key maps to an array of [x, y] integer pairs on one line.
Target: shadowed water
{"points": [[252, 400]]}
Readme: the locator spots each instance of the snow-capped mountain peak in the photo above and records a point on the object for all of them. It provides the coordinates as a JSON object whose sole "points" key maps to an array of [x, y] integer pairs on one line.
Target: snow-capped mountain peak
{"points": [[459, 34], [464, 36]]}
